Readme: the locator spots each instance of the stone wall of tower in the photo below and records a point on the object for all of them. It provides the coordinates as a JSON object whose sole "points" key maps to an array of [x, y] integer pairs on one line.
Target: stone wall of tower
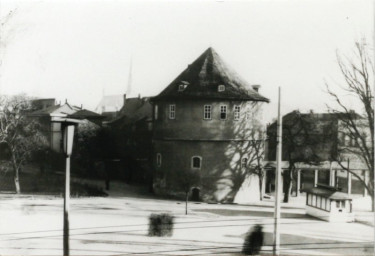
{"points": [[189, 122], [221, 144], [221, 173]]}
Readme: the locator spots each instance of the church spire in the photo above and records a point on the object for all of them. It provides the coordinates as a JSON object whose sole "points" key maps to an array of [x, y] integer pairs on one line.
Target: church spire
{"points": [[129, 88]]}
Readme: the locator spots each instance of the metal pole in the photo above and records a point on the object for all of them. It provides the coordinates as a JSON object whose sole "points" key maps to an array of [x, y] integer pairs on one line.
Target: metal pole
{"points": [[66, 207], [373, 99], [276, 235]]}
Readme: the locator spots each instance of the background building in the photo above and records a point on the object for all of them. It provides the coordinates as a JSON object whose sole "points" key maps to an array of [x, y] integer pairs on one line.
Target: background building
{"points": [[314, 143]]}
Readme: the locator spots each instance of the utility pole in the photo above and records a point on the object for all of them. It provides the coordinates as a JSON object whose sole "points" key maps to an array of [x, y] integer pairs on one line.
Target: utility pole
{"points": [[373, 100], [276, 234]]}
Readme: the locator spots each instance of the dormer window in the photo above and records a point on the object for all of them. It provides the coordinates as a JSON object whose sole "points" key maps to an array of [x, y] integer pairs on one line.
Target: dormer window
{"points": [[221, 88], [182, 86]]}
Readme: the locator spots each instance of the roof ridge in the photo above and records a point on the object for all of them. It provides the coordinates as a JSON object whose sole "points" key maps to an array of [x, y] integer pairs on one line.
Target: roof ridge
{"points": [[204, 75]]}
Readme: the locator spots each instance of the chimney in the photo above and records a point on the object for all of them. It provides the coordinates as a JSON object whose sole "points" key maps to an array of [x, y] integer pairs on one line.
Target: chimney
{"points": [[256, 87], [81, 106], [124, 98], [139, 95]]}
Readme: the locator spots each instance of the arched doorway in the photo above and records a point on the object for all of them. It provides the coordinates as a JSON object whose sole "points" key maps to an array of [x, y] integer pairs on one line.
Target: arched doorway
{"points": [[195, 194]]}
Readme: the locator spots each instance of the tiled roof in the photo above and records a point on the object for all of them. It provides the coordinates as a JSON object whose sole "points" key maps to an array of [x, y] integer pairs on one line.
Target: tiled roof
{"points": [[202, 78], [46, 111], [134, 109], [84, 113]]}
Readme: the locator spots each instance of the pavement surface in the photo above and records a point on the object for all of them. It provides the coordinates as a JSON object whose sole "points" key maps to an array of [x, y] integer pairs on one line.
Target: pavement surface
{"points": [[118, 225]]}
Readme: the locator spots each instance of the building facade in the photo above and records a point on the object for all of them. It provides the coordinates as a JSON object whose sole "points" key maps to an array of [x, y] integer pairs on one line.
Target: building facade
{"points": [[320, 148], [202, 124], [53, 131]]}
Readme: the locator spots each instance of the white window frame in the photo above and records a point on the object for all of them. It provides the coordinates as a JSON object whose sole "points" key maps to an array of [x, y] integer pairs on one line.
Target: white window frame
{"points": [[237, 112], [223, 110], [207, 112], [158, 159], [200, 162], [221, 88], [172, 111]]}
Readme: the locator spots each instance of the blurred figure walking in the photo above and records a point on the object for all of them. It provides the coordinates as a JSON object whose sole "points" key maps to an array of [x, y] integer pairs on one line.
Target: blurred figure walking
{"points": [[253, 241]]}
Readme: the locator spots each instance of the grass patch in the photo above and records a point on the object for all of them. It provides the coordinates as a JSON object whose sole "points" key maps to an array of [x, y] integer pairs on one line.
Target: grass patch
{"points": [[47, 184]]}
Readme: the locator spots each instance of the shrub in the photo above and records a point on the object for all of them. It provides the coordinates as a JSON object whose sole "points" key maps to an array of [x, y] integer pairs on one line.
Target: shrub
{"points": [[160, 225]]}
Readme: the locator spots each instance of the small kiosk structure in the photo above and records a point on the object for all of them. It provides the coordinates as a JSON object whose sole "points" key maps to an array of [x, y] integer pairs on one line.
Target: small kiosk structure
{"points": [[329, 204]]}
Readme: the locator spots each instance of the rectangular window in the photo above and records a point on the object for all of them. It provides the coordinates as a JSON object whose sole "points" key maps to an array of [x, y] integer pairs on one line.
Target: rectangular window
{"points": [[158, 159], [338, 204], [207, 112], [323, 206], [313, 200], [318, 201], [156, 112], [328, 205], [223, 112], [237, 112], [172, 111]]}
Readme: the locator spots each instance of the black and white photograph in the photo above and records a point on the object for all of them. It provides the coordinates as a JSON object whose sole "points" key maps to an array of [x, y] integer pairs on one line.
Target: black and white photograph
{"points": [[187, 127]]}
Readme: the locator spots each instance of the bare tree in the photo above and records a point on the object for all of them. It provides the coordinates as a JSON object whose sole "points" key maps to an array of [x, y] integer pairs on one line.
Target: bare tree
{"points": [[306, 139], [186, 180], [256, 155], [358, 84], [18, 134]]}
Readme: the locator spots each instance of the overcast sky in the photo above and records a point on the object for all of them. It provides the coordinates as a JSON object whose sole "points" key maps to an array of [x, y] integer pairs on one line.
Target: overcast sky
{"points": [[77, 49]]}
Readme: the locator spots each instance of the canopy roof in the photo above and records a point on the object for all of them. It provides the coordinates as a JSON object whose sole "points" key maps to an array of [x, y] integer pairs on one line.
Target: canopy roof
{"points": [[202, 78], [330, 193]]}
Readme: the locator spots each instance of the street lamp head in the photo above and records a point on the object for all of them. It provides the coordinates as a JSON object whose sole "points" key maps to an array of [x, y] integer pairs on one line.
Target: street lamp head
{"points": [[68, 139], [68, 125]]}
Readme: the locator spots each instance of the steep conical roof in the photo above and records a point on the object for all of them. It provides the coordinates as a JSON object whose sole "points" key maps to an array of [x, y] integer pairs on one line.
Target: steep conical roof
{"points": [[202, 78]]}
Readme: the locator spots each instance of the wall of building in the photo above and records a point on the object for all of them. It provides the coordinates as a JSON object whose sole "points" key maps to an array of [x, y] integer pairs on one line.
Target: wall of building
{"points": [[221, 174], [189, 122], [220, 143]]}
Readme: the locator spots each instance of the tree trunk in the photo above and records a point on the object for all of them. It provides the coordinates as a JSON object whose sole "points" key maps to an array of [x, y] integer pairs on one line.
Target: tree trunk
{"points": [[186, 202], [287, 184], [16, 174], [17, 181]]}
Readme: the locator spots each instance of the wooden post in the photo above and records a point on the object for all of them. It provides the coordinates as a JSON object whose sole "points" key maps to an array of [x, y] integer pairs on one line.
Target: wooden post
{"points": [[316, 173], [264, 182], [298, 182], [349, 179], [366, 178], [331, 176]]}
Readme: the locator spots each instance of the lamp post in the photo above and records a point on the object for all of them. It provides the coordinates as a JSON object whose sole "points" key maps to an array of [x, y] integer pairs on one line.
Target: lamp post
{"points": [[68, 125], [276, 234]]}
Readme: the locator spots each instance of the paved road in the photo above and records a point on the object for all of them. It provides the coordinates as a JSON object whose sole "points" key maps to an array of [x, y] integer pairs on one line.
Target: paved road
{"points": [[119, 226]]}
